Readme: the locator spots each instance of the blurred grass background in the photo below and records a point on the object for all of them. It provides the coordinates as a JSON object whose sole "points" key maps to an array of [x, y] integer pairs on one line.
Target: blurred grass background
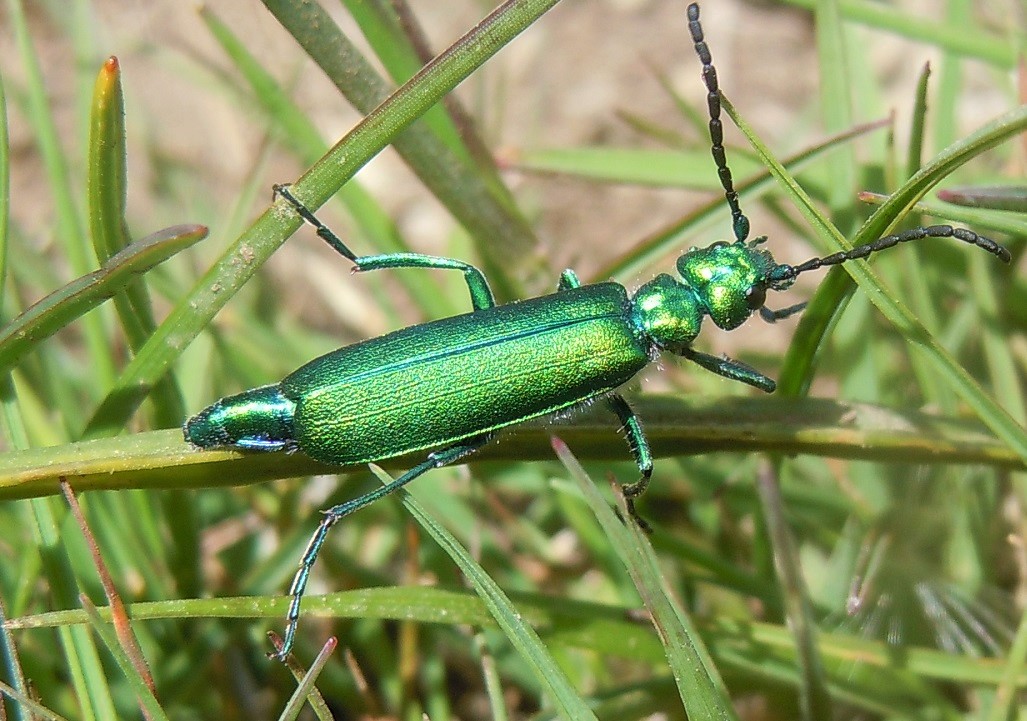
{"points": [[912, 572]]}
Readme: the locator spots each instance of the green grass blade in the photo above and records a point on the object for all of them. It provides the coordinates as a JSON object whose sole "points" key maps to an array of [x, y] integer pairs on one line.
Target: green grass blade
{"points": [[484, 208], [702, 690], [106, 180], [635, 166], [967, 40], [151, 708], [521, 635], [106, 168], [674, 426], [81, 295], [603, 628], [399, 54]]}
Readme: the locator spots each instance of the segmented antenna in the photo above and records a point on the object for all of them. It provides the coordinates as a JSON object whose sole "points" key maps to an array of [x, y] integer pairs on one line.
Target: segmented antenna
{"points": [[787, 273], [709, 76]]}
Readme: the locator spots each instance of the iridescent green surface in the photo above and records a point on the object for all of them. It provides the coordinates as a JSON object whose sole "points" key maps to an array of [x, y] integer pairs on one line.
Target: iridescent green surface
{"points": [[435, 384], [259, 419], [731, 279]]}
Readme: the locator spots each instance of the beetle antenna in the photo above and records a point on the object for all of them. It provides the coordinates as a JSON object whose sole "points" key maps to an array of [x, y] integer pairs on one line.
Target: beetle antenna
{"points": [[709, 76], [788, 273]]}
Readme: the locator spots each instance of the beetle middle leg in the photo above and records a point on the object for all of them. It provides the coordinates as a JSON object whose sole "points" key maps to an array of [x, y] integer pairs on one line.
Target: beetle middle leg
{"points": [[639, 450], [632, 428], [335, 514], [477, 285]]}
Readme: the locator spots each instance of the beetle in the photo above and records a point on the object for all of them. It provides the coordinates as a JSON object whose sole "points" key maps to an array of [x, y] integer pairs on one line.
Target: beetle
{"points": [[448, 386]]}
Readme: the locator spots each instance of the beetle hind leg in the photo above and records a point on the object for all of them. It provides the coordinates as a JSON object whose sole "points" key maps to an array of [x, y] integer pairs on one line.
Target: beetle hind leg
{"points": [[335, 514]]}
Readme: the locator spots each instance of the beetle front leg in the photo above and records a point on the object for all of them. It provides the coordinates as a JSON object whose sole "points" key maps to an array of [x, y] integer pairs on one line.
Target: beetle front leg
{"points": [[641, 452], [477, 285], [336, 513], [729, 368]]}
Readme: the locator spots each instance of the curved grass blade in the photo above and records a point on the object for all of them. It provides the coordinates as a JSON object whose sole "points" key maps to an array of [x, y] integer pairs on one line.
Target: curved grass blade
{"points": [[106, 182], [81, 295], [106, 169]]}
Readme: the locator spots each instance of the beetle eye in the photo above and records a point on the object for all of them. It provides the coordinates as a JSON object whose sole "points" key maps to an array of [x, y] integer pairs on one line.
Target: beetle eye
{"points": [[756, 296]]}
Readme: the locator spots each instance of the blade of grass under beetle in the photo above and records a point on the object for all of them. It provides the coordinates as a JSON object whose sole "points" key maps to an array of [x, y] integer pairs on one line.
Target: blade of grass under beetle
{"points": [[322, 181], [606, 629], [1003, 128], [521, 635], [675, 426], [702, 690]]}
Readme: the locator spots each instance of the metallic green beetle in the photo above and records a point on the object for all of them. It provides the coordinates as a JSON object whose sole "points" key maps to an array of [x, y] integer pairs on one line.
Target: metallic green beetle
{"points": [[448, 386]]}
